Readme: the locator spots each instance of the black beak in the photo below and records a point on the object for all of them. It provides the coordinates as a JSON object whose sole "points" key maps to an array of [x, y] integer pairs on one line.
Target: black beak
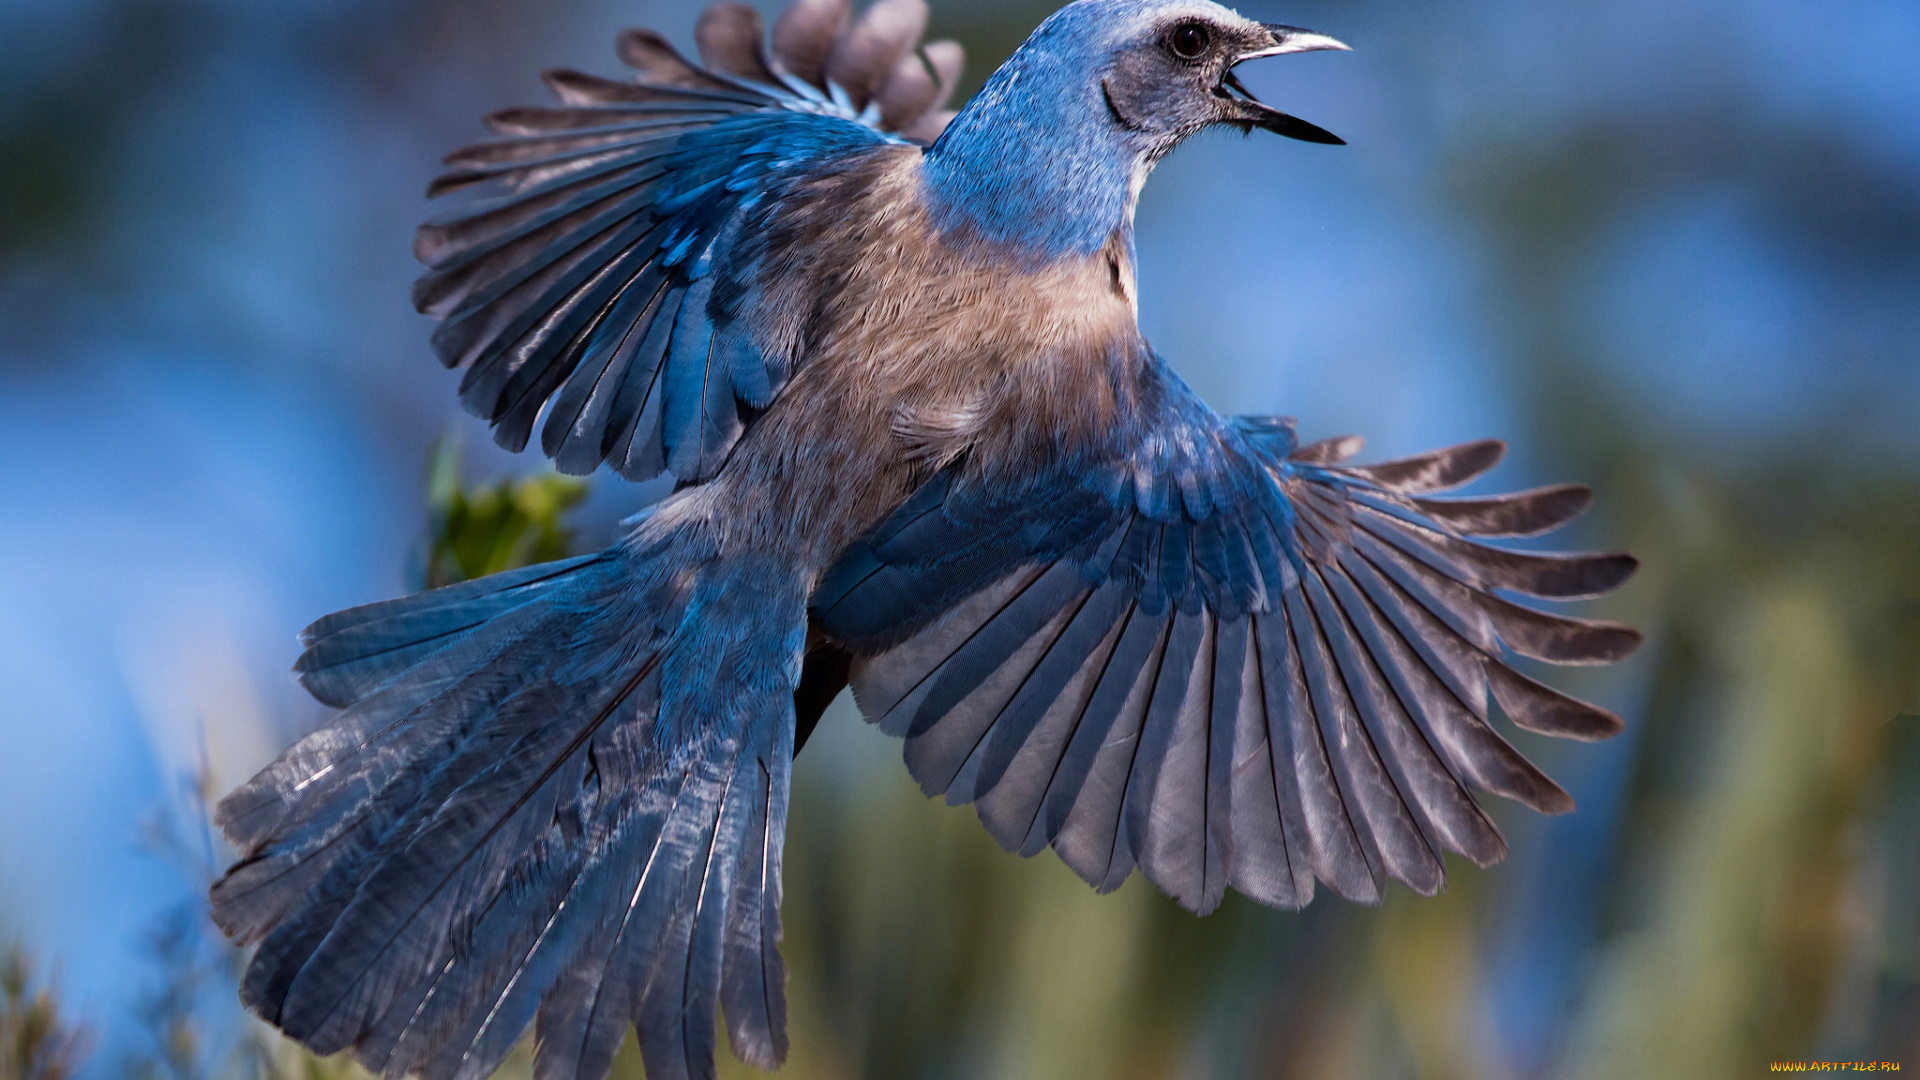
{"points": [[1253, 112]]}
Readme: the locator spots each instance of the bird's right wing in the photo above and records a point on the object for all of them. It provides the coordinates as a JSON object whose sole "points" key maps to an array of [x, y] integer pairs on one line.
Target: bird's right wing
{"points": [[602, 282], [1222, 658]]}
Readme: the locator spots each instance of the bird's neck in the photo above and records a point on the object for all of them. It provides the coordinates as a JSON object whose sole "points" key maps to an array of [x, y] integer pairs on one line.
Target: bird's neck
{"points": [[1035, 163]]}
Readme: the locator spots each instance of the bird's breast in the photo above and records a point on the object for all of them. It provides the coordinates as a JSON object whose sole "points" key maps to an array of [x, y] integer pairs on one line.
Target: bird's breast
{"points": [[911, 348]]}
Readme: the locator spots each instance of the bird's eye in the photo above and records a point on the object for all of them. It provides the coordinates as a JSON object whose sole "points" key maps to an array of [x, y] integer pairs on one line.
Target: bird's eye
{"points": [[1190, 40]]}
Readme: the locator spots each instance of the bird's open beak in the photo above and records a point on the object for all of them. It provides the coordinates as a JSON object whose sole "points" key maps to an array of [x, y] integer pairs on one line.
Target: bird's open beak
{"points": [[1256, 113], [1292, 39]]}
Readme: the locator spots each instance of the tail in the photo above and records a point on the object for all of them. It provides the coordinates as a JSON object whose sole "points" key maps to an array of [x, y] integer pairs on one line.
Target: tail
{"points": [[554, 796]]}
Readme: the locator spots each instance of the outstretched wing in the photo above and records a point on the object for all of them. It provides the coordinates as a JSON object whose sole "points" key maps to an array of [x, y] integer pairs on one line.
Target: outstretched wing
{"points": [[1225, 659], [603, 282]]}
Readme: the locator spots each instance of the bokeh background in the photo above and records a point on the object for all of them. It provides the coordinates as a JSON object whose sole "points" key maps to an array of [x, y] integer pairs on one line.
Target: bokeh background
{"points": [[1667, 247]]}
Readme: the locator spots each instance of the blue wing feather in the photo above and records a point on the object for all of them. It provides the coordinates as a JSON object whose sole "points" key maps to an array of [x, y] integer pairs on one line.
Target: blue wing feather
{"points": [[549, 289], [546, 289], [1223, 658]]}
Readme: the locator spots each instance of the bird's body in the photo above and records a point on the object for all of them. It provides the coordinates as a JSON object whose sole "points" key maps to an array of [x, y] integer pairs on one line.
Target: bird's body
{"points": [[922, 346], [922, 449]]}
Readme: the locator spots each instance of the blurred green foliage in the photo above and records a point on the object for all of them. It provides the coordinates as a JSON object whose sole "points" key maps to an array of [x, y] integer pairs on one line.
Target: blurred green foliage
{"points": [[493, 527], [37, 1040]]}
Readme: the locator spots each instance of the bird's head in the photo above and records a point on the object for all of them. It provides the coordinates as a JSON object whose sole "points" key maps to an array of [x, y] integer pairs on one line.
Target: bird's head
{"points": [[1166, 68], [1051, 154]]}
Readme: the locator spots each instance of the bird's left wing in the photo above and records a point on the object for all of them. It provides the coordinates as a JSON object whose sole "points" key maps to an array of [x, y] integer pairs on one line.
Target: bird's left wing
{"points": [[1223, 658], [603, 281]]}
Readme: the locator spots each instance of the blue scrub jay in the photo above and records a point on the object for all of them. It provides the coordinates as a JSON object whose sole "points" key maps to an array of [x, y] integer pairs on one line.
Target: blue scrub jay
{"points": [[892, 358]]}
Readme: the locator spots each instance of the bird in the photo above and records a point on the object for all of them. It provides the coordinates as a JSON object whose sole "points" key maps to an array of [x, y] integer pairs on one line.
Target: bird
{"points": [[890, 355]]}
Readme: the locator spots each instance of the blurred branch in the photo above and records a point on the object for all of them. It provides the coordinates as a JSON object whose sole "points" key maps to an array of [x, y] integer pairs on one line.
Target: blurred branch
{"points": [[36, 1041]]}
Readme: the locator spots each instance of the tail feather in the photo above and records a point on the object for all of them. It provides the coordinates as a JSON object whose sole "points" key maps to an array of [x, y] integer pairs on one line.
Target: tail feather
{"points": [[353, 652], [584, 1020], [328, 802], [554, 797], [483, 812], [754, 974]]}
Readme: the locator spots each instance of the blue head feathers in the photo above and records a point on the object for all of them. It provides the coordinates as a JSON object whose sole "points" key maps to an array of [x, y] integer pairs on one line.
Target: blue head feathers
{"points": [[1051, 154]]}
